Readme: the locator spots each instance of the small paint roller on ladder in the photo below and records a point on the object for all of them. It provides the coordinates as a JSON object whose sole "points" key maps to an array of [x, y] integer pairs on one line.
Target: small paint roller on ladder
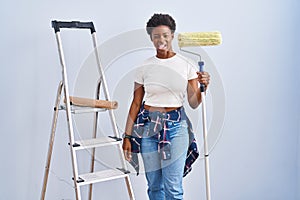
{"points": [[192, 40]]}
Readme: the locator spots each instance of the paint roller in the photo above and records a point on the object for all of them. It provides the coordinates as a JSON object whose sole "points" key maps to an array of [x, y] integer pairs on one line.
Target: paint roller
{"points": [[192, 40], [199, 39]]}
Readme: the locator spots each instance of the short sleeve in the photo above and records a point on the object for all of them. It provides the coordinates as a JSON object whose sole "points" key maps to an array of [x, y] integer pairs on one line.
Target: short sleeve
{"points": [[139, 75], [192, 72]]}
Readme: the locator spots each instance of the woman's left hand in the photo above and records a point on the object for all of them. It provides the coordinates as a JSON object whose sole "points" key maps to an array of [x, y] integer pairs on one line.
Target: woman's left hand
{"points": [[203, 78]]}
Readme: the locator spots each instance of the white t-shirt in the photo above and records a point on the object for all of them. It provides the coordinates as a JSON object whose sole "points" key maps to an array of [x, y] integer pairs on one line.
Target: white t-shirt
{"points": [[165, 80]]}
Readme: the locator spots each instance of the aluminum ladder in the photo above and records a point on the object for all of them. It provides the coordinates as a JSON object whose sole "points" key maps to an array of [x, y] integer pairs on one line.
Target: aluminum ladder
{"points": [[75, 105]]}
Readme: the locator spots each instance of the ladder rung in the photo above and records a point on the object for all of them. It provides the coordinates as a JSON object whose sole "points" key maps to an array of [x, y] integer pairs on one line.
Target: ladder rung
{"points": [[80, 110], [105, 175], [96, 142]]}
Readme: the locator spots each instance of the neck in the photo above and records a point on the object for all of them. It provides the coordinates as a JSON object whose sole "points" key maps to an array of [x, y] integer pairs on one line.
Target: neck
{"points": [[164, 54]]}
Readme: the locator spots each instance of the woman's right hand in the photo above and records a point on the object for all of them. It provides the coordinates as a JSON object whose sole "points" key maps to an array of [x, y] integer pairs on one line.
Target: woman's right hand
{"points": [[127, 149]]}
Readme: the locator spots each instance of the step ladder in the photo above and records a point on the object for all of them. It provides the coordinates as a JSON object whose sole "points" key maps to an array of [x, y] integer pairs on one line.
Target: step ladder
{"points": [[76, 105]]}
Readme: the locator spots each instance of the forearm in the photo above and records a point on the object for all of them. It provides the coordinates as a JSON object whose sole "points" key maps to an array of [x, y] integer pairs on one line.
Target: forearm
{"points": [[138, 96], [195, 99], [193, 94], [133, 111]]}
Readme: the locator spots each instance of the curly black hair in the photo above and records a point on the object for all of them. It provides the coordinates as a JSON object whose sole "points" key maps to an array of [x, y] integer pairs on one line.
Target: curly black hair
{"points": [[160, 19]]}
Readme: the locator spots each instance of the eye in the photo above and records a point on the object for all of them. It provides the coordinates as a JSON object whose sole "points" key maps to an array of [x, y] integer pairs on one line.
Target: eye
{"points": [[156, 36]]}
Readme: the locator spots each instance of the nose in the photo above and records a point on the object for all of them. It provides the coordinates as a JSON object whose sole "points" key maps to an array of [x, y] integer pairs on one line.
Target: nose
{"points": [[161, 39], [158, 37]]}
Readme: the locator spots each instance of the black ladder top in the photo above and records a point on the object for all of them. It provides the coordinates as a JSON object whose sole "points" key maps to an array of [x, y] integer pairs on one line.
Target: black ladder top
{"points": [[57, 25]]}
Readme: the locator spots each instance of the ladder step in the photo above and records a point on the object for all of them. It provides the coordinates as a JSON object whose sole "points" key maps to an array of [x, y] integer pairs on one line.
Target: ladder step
{"points": [[105, 175], [96, 142], [80, 110]]}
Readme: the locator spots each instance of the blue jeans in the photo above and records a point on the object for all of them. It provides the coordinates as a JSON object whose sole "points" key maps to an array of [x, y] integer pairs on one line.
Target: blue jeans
{"points": [[164, 177]]}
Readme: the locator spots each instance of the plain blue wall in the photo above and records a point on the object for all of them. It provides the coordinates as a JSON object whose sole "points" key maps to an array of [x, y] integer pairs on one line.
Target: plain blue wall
{"points": [[257, 155]]}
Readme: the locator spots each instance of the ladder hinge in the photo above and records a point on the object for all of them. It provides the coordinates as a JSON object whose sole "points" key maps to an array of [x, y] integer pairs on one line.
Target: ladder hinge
{"points": [[124, 170], [75, 144], [80, 180], [115, 138]]}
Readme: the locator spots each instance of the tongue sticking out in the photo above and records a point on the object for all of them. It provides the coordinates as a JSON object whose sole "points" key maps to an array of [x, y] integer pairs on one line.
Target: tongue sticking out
{"points": [[162, 46]]}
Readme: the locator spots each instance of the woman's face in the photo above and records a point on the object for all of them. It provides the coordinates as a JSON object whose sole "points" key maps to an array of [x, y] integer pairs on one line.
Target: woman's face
{"points": [[162, 37]]}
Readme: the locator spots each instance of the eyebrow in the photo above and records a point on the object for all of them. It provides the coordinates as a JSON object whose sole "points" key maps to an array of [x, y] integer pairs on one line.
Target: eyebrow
{"points": [[162, 33]]}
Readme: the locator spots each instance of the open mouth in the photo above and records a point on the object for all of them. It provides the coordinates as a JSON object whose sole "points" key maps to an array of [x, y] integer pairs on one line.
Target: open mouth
{"points": [[162, 46]]}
